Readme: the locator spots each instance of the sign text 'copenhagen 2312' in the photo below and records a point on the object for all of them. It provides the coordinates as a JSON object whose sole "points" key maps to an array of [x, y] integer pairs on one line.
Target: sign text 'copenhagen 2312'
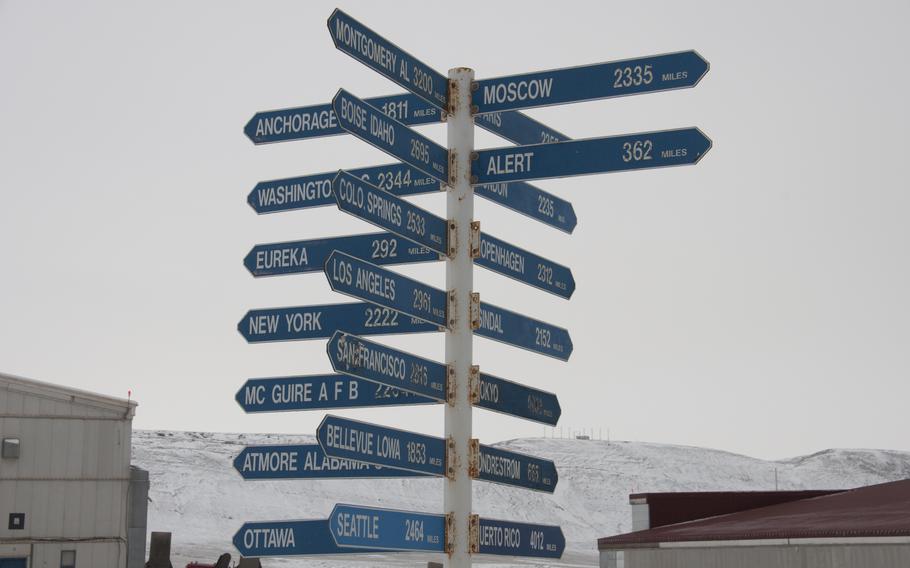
{"points": [[407, 373]]}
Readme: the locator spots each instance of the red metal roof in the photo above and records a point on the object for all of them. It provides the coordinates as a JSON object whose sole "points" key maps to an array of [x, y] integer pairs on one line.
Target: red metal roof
{"points": [[679, 507], [874, 511]]}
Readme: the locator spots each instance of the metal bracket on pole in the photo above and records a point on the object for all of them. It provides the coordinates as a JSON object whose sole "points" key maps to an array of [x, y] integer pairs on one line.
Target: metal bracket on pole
{"points": [[450, 309], [475, 239], [474, 534], [474, 458], [451, 458], [450, 385], [450, 533], [453, 239], [475, 384], [475, 310]]}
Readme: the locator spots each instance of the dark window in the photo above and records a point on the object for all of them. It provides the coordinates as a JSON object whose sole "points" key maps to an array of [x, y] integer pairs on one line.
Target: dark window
{"points": [[67, 559], [17, 521]]}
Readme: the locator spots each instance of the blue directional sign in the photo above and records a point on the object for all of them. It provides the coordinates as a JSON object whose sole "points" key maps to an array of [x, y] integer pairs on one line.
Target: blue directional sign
{"points": [[289, 538], [381, 208], [387, 447], [588, 82], [521, 331], [372, 126], [364, 359], [531, 201], [519, 128], [317, 392], [508, 538], [500, 395], [645, 150], [320, 322], [386, 58], [365, 281], [520, 470], [316, 190], [319, 120], [305, 461], [353, 526], [524, 266], [297, 257]]}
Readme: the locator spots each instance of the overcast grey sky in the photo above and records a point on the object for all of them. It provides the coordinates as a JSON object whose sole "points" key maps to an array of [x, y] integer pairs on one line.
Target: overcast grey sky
{"points": [[756, 302]]}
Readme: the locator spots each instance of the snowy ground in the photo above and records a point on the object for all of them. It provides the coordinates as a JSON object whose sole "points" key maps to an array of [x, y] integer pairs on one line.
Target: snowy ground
{"points": [[198, 496]]}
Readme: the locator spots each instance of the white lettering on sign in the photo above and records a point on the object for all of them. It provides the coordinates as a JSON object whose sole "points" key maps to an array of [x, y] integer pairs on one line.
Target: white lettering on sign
{"points": [[492, 535], [381, 129], [269, 461], [306, 321], [281, 194], [357, 355], [354, 113], [317, 461], [491, 321], [357, 525], [269, 538], [517, 91], [501, 189], [290, 257], [510, 163], [296, 123], [386, 209], [489, 392], [500, 466], [507, 258], [263, 324], [349, 439], [370, 49], [375, 284]]}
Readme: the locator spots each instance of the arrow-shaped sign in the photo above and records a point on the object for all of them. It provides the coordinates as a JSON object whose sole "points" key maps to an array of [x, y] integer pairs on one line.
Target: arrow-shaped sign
{"points": [[401, 449], [595, 155], [297, 257], [405, 372], [391, 136], [306, 461], [531, 202], [381, 208], [508, 538], [364, 359], [524, 266], [518, 128], [289, 538], [386, 529], [318, 392], [589, 82], [386, 58], [320, 322], [522, 331], [360, 279]]}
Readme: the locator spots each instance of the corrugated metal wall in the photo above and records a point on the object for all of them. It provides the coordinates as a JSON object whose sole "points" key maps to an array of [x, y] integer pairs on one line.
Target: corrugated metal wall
{"points": [[71, 479]]}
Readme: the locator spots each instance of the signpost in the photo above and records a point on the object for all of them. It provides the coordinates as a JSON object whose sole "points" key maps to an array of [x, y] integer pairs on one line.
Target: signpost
{"points": [[318, 392], [588, 82], [395, 369], [521, 331], [320, 322], [381, 208], [365, 281], [386, 529], [372, 126], [306, 461], [289, 538], [646, 150], [371, 374], [297, 257]]}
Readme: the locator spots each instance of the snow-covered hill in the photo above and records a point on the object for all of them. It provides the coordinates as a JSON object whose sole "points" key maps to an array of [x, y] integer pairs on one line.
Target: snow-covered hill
{"points": [[196, 494]]}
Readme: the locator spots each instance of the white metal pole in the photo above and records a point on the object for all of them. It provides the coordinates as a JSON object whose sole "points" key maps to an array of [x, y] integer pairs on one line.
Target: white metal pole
{"points": [[460, 283]]}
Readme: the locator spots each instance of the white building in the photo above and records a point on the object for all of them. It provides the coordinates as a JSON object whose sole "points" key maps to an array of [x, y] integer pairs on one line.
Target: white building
{"points": [[68, 496]]}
